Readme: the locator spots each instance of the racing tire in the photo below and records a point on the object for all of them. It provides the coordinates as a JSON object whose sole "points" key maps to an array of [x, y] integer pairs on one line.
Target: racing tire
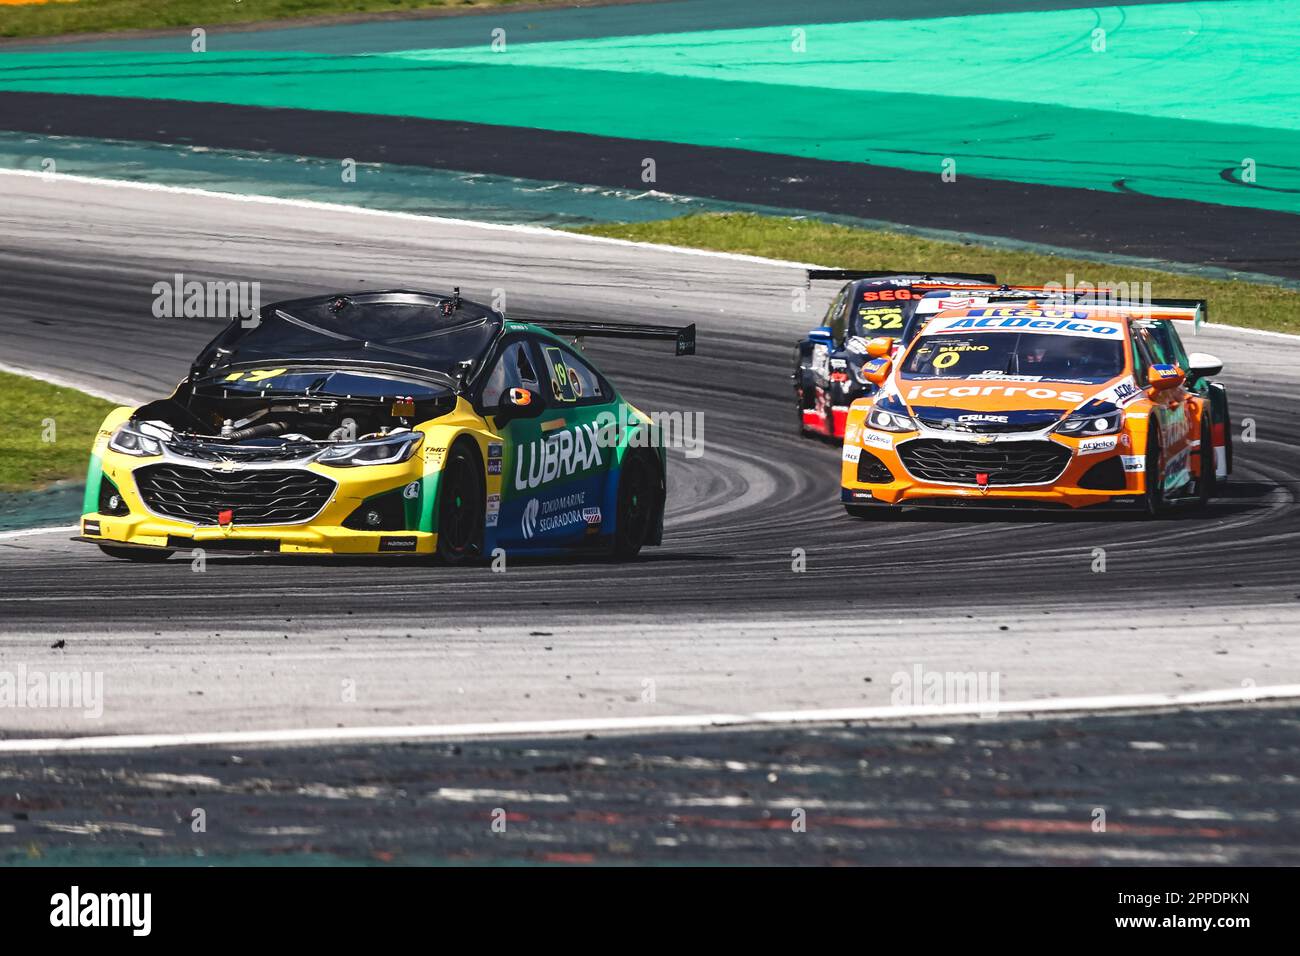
{"points": [[1154, 496], [1207, 485], [1227, 443], [461, 504], [144, 555], [800, 394], [637, 499]]}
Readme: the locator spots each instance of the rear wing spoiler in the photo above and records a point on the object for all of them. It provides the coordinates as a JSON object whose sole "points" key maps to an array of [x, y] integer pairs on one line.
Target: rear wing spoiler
{"points": [[1184, 310], [683, 337], [1188, 310], [1192, 310], [934, 278], [1157, 310]]}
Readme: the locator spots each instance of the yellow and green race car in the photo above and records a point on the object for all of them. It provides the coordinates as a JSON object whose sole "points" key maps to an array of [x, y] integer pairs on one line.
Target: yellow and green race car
{"points": [[384, 423]]}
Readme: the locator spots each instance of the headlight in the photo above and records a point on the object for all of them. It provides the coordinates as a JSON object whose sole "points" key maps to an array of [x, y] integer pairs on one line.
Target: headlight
{"points": [[1097, 423], [377, 451], [890, 417], [130, 441]]}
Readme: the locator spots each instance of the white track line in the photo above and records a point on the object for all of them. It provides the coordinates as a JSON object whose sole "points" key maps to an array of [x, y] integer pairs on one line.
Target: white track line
{"points": [[471, 223], [62, 382], [28, 532], [529, 728], [408, 216], [1220, 327]]}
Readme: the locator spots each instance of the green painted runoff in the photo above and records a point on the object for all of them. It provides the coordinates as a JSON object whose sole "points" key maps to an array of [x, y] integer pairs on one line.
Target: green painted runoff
{"points": [[1182, 100]]}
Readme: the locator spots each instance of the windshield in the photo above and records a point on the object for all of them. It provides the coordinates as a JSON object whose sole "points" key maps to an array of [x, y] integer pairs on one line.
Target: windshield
{"points": [[876, 318], [334, 383], [1025, 356]]}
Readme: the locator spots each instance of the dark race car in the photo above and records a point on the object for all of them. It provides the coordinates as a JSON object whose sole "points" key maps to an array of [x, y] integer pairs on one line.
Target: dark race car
{"points": [[828, 361], [385, 423]]}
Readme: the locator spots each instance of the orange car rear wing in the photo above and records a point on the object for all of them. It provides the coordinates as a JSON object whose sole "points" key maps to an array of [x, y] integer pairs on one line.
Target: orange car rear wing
{"points": [[1156, 310], [1188, 310]]}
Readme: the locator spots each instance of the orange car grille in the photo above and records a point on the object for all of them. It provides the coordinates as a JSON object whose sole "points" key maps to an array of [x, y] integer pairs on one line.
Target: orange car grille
{"points": [[1003, 463]]}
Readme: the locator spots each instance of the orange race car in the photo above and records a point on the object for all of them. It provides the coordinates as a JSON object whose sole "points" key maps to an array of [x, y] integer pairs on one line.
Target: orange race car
{"points": [[1052, 405]]}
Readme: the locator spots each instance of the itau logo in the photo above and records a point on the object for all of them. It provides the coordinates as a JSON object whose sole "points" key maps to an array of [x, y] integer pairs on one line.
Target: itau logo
{"points": [[529, 523]]}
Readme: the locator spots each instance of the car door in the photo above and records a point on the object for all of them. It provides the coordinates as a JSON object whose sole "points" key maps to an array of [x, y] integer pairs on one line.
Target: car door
{"points": [[517, 366], [557, 464], [1172, 414], [1214, 393]]}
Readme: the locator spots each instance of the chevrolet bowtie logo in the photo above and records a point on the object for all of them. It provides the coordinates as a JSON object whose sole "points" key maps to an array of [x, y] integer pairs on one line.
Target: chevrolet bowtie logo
{"points": [[226, 466]]}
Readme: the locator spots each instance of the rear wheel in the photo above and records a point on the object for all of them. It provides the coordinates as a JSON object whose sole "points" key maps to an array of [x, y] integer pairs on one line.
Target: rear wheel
{"points": [[1154, 478], [460, 506], [803, 391], [1227, 442], [637, 498], [1207, 485], [146, 555]]}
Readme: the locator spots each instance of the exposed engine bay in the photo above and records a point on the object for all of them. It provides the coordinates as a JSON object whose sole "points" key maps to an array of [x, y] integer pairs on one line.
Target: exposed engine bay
{"points": [[215, 423]]}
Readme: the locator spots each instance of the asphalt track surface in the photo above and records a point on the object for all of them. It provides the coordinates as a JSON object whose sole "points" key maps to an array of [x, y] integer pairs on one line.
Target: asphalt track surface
{"points": [[716, 619], [1184, 789], [1114, 223]]}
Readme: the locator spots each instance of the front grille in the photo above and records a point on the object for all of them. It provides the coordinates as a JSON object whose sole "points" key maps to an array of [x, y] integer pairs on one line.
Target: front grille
{"points": [[1005, 463], [873, 471], [256, 496]]}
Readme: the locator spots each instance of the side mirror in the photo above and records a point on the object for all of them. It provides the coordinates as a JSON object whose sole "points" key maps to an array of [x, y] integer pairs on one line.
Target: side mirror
{"points": [[880, 347], [518, 403], [878, 369], [1164, 377], [1203, 365]]}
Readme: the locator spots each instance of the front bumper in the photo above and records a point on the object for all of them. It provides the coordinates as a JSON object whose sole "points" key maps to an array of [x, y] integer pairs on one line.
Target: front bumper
{"points": [[318, 541], [1112, 477], [405, 491]]}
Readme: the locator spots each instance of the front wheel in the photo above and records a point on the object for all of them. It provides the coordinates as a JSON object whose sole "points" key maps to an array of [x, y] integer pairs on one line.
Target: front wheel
{"points": [[637, 498], [145, 555], [460, 507]]}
